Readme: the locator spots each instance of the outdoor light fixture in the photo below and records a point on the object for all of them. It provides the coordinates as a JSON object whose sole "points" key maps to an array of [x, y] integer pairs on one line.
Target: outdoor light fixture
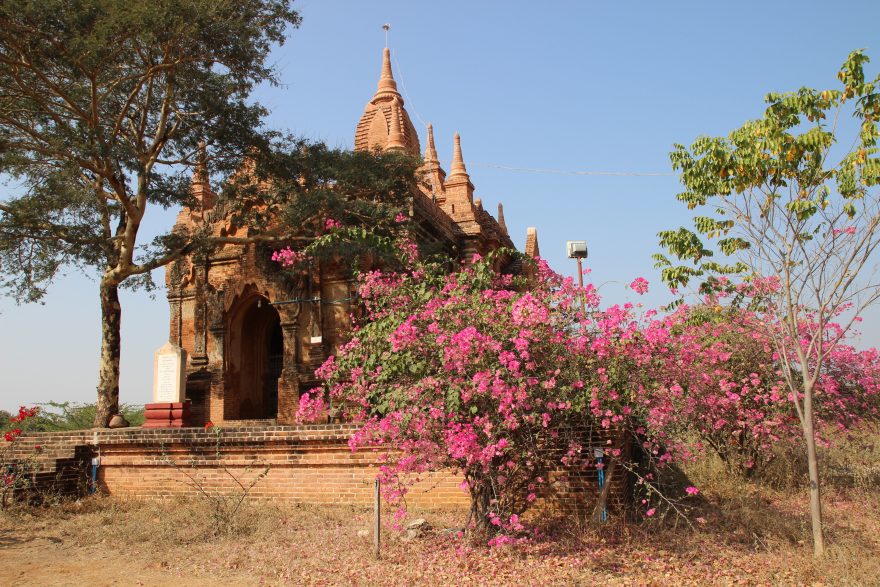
{"points": [[576, 249]]}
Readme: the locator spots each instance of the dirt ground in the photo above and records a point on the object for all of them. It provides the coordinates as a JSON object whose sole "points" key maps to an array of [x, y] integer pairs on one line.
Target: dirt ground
{"points": [[50, 559], [744, 536]]}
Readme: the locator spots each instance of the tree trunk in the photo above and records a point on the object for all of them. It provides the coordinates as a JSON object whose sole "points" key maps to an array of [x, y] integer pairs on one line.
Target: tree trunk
{"points": [[610, 472], [108, 370], [602, 502], [813, 466]]}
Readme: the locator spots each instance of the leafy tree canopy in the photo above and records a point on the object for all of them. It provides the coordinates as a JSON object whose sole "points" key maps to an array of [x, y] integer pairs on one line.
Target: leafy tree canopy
{"points": [[103, 104], [782, 190]]}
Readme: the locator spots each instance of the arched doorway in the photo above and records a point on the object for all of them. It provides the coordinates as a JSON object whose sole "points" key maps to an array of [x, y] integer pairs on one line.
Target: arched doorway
{"points": [[256, 360]]}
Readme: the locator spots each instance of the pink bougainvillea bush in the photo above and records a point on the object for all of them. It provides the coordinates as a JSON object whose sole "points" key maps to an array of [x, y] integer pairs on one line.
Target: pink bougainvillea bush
{"points": [[719, 387], [497, 377], [507, 380]]}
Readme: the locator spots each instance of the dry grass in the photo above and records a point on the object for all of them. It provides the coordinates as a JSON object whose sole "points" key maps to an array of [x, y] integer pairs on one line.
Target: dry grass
{"points": [[750, 533], [740, 542]]}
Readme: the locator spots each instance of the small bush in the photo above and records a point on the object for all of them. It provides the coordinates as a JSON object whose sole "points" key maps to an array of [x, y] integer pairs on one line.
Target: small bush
{"points": [[61, 416]]}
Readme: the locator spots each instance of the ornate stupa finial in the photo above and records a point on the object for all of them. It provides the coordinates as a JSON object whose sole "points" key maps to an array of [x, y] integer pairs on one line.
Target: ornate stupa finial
{"points": [[200, 171], [386, 80], [201, 184]]}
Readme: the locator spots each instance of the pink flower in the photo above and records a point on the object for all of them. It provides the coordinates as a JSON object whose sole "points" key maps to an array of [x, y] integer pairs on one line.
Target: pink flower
{"points": [[692, 490], [311, 406], [401, 218], [651, 512], [501, 540], [330, 224], [287, 257], [639, 285]]}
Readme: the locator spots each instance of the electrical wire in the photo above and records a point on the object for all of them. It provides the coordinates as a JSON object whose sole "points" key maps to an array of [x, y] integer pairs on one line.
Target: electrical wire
{"points": [[412, 106], [424, 124], [570, 171], [312, 300]]}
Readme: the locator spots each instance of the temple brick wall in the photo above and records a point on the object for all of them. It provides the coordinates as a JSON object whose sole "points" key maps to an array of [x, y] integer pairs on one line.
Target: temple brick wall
{"points": [[308, 464]]}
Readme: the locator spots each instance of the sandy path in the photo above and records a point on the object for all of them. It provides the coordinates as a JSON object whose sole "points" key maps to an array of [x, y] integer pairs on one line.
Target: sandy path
{"points": [[45, 559]]}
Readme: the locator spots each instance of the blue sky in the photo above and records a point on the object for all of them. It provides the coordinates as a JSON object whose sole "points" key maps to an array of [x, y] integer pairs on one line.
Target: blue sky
{"points": [[567, 86]]}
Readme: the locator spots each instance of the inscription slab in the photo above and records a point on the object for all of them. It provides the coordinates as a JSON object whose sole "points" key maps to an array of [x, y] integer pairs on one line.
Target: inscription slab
{"points": [[169, 374]]}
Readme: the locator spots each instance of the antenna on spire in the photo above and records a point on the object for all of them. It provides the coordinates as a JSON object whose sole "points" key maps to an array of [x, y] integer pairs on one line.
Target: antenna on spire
{"points": [[386, 27]]}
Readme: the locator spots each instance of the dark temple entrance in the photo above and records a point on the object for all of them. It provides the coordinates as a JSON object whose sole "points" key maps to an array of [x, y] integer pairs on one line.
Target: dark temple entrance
{"points": [[257, 357]]}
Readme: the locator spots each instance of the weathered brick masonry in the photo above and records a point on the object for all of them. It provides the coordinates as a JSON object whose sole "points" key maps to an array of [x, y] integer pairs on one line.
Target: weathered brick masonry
{"points": [[307, 464]]}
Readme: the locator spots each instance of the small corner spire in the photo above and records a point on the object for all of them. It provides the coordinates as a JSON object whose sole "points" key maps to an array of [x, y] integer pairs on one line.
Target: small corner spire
{"points": [[532, 249], [457, 169], [201, 183], [501, 222], [431, 150]]}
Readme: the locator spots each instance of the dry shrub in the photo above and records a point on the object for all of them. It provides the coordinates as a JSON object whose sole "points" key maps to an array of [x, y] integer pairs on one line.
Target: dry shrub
{"points": [[743, 511], [851, 461], [854, 463]]}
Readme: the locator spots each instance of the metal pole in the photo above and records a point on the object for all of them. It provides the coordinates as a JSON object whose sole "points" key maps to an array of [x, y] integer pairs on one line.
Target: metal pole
{"points": [[581, 284], [377, 515]]}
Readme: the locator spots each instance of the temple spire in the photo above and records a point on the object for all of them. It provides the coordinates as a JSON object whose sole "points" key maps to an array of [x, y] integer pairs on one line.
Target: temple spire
{"points": [[431, 150], [374, 128], [457, 169], [395, 133], [386, 80]]}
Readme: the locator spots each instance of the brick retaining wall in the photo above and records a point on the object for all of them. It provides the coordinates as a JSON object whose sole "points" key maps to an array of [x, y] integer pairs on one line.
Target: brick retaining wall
{"points": [[311, 464]]}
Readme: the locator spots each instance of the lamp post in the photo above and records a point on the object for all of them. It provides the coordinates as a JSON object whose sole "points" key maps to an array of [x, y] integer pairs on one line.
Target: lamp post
{"points": [[578, 250]]}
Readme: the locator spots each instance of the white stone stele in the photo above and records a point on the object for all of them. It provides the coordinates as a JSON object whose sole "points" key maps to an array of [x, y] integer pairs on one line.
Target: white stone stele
{"points": [[169, 374]]}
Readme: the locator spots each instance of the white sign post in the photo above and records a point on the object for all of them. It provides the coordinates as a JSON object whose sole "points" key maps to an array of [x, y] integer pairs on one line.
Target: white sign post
{"points": [[169, 374]]}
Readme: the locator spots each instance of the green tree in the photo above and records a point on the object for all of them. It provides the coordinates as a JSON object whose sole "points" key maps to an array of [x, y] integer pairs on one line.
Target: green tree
{"points": [[57, 416], [290, 193], [103, 104], [793, 202]]}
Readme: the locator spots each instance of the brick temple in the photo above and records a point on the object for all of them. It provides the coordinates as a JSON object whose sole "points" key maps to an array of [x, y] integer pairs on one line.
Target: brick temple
{"points": [[253, 337]]}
